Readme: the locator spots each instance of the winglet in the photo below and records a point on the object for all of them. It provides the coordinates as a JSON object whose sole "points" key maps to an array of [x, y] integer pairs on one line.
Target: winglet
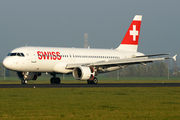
{"points": [[174, 57]]}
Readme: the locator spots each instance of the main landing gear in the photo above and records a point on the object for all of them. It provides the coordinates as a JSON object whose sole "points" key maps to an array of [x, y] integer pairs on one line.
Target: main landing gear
{"points": [[55, 80], [94, 81]]}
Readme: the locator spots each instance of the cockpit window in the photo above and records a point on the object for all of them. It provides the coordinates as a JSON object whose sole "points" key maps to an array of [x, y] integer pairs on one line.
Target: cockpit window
{"points": [[22, 54], [16, 54], [13, 54], [8, 54]]}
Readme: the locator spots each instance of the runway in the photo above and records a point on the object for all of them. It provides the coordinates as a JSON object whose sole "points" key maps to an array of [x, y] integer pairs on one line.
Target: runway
{"points": [[90, 85]]}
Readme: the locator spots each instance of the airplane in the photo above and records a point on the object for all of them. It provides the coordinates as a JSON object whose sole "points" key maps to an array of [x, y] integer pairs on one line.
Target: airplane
{"points": [[82, 63]]}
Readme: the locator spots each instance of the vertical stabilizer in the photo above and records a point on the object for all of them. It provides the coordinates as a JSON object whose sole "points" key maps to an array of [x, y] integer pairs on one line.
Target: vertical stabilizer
{"points": [[130, 41]]}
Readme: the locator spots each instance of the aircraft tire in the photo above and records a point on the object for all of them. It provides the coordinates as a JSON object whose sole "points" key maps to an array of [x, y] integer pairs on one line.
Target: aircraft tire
{"points": [[54, 80], [23, 81], [95, 80], [57, 80], [88, 81]]}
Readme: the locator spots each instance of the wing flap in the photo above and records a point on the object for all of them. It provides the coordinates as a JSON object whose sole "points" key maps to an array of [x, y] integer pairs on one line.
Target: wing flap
{"points": [[153, 55], [125, 62]]}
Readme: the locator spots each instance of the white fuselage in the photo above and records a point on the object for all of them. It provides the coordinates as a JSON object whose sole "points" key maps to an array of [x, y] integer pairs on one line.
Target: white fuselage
{"points": [[54, 59]]}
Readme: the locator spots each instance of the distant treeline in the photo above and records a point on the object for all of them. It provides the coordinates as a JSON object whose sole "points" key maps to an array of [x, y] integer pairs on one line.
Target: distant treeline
{"points": [[155, 69]]}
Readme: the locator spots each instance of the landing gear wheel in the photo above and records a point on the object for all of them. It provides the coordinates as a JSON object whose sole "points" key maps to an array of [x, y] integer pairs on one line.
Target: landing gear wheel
{"points": [[23, 81], [88, 81], [94, 81], [55, 80], [52, 80]]}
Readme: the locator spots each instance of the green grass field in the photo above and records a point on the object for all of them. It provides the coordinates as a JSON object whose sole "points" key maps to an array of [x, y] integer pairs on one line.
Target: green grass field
{"points": [[156, 103]]}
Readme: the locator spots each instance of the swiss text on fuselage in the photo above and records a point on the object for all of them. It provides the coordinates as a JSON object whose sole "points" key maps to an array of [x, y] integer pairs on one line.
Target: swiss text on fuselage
{"points": [[48, 55]]}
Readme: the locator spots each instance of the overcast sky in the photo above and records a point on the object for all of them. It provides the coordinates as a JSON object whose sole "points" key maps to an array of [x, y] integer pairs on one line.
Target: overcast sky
{"points": [[62, 23]]}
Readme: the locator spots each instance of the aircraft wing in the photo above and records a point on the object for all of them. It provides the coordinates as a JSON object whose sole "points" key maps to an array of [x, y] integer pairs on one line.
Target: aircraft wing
{"points": [[120, 62], [152, 55]]}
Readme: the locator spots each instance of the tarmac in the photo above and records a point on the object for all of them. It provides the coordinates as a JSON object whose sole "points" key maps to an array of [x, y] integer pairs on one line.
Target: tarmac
{"points": [[89, 85]]}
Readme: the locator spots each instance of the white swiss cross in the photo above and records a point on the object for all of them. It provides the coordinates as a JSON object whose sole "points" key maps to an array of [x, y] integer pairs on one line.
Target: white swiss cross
{"points": [[134, 32]]}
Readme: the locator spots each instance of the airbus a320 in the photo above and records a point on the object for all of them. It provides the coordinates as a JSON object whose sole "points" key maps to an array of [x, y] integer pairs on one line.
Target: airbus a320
{"points": [[82, 63]]}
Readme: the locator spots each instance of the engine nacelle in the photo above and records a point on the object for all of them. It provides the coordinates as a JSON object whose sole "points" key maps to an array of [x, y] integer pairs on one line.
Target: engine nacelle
{"points": [[84, 73], [28, 75]]}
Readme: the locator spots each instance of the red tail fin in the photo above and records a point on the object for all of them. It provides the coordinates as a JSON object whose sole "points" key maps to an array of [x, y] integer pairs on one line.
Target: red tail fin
{"points": [[130, 41]]}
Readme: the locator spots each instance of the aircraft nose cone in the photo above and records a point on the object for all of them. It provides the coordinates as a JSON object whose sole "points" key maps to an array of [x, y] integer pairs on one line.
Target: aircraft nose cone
{"points": [[6, 63]]}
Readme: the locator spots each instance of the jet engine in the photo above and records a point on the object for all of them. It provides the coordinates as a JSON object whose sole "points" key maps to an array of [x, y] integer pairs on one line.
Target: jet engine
{"points": [[84, 73], [28, 75]]}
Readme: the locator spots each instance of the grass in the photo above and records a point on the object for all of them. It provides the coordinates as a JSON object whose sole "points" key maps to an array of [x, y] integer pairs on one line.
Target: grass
{"points": [[90, 103]]}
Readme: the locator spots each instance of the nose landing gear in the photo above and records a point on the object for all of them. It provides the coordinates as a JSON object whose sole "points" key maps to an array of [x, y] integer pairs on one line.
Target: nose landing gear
{"points": [[24, 81]]}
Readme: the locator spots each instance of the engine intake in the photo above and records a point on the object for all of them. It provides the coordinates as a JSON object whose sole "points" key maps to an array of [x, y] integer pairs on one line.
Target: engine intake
{"points": [[84, 73]]}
